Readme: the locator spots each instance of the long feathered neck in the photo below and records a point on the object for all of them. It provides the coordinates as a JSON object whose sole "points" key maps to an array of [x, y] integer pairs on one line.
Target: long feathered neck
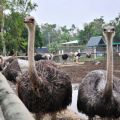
{"points": [[35, 79], [109, 74]]}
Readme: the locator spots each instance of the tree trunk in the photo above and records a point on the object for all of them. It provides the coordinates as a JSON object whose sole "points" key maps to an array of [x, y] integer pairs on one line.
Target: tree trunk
{"points": [[12, 107], [2, 31]]}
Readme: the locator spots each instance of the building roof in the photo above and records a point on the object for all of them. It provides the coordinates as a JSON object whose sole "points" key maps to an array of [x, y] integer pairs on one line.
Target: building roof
{"points": [[70, 42], [95, 41], [42, 50], [116, 43]]}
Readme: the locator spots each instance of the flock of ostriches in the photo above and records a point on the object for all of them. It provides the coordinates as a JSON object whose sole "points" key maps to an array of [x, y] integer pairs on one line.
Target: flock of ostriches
{"points": [[45, 89]]}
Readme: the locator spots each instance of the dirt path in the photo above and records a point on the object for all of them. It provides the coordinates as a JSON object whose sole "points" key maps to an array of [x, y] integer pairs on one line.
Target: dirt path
{"points": [[77, 72]]}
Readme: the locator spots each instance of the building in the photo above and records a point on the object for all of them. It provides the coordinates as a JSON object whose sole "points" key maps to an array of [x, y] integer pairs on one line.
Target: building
{"points": [[99, 44], [96, 45]]}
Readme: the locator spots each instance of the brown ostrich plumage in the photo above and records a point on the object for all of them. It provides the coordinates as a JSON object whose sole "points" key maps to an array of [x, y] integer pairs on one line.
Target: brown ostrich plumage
{"points": [[54, 94], [11, 70]]}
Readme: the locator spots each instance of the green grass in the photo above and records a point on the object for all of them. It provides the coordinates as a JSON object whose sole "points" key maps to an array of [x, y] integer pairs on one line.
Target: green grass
{"points": [[98, 58]]}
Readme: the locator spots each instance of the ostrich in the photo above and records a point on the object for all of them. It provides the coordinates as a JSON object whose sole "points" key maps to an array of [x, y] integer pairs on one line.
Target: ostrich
{"points": [[88, 55], [11, 70], [38, 57], [49, 56], [77, 56], [99, 91], [43, 88], [14, 67], [65, 57], [45, 56]]}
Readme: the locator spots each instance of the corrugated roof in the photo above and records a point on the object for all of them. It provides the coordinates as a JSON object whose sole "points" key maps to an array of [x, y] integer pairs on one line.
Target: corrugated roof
{"points": [[94, 41], [71, 42]]}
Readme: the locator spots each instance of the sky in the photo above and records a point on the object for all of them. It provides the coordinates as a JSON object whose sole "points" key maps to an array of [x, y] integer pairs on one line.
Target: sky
{"points": [[78, 12]]}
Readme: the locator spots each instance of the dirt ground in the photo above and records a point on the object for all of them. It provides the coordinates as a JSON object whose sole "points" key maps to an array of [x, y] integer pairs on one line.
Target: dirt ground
{"points": [[78, 71]]}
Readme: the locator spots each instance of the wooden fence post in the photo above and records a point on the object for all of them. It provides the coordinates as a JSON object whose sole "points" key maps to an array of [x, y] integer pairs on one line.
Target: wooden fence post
{"points": [[11, 105]]}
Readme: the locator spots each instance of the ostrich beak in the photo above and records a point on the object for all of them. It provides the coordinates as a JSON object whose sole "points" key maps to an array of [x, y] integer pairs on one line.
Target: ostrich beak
{"points": [[109, 31]]}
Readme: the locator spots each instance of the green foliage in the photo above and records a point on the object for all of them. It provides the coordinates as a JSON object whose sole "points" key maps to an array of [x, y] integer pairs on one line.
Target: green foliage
{"points": [[94, 28], [53, 47], [38, 36], [116, 23], [15, 33]]}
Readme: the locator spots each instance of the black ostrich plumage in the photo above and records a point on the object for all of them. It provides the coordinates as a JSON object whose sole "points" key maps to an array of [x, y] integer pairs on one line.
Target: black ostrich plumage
{"points": [[78, 54], [65, 56], [55, 93], [90, 96], [38, 57]]}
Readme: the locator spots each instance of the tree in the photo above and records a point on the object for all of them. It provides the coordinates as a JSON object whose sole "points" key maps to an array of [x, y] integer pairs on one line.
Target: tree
{"points": [[94, 28], [116, 23], [38, 37], [14, 25]]}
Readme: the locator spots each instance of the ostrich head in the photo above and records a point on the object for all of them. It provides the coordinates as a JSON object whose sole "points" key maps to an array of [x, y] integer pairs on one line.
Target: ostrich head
{"points": [[109, 33], [29, 22]]}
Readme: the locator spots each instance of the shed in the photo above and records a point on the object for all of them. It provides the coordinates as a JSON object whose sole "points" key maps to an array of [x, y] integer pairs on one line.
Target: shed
{"points": [[96, 41], [96, 45]]}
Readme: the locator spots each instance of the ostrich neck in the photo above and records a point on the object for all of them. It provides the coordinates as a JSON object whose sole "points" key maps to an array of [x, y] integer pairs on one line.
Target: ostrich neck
{"points": [[109, 76], [32, 69]]}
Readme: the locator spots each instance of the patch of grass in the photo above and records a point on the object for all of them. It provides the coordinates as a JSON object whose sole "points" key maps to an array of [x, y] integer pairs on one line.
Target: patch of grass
{"points": [[98, 58]]}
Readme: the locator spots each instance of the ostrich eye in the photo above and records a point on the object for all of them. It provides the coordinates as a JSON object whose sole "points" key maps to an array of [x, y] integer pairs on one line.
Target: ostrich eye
{"points": [[104, 30], [32, 19], [113, 29]]}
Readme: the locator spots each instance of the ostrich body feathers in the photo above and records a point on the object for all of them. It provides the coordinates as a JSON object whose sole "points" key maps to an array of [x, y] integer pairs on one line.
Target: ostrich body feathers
{"points": [[53, 94], [90, 96]]}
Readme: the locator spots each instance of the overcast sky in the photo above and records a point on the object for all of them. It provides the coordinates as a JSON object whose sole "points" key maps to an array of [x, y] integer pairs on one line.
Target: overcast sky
{"points": [[78, 12]]}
